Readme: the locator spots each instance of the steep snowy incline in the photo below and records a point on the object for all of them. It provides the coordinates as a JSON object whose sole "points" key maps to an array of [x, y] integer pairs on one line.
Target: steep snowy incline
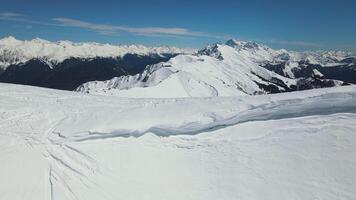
{"points": [[13, 51], [64, 145]]}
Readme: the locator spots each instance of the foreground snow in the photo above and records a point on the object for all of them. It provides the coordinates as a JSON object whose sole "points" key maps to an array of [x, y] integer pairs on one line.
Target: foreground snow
{"points": [[64, 145]]}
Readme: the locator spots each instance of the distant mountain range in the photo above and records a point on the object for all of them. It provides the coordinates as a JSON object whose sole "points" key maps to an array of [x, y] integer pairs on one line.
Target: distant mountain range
{"points": [[66, 65], [232, 68]]}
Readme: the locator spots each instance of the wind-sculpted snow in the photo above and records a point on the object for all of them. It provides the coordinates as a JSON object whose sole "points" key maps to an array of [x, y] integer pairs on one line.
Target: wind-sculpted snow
{"points": [[66, 145]]}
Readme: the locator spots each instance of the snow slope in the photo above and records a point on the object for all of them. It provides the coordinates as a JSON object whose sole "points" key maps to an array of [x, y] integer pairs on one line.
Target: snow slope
{"points": [[66, 145], [13, 51]]}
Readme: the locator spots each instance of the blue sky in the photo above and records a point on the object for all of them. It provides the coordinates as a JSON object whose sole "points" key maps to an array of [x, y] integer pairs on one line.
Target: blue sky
{"points": [[296, 25]]}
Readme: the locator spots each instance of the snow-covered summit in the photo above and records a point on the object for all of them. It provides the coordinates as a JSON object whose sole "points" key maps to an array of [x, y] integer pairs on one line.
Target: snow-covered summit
{"points": [[13, 51], [252, 50], [243, 44], [10, 40]]}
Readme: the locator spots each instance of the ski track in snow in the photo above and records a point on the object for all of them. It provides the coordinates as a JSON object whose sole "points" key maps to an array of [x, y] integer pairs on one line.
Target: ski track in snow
{"points": [[66, 145]]}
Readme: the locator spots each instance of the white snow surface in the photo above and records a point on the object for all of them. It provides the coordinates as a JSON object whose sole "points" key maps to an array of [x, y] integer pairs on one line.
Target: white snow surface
{"points": [[66, 145], [13, 51]]}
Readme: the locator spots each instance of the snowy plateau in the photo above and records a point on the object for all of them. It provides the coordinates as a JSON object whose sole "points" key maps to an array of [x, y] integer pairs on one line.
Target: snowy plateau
{"points": [[197, 126]]}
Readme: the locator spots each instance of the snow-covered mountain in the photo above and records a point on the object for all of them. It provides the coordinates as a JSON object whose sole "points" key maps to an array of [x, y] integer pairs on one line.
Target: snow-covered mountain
{"points": [[13, 51], [69, 146], [233, 68]]}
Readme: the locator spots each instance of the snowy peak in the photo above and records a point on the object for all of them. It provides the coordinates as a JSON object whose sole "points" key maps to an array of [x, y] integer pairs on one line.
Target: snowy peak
{"points": [[243, 45], [234, 43], [212, 51], [249, 50], [40, 41], [10, 40]]}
